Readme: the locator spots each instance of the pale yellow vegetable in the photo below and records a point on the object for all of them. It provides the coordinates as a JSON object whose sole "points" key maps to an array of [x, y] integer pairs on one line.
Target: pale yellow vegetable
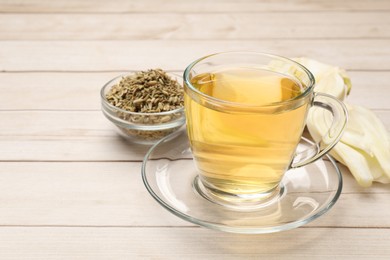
{"points": [[361, 148], [355, 161], [365, 145], [330, 80]]}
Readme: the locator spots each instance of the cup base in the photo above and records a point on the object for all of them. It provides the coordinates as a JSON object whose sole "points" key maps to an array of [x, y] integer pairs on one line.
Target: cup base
{"points": [[238, 202], [170, 175]]}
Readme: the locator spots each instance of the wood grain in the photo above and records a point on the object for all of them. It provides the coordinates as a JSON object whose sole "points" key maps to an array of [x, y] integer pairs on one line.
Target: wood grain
{"points": [[176, 55], [190, 243], [112, 194], [71, 136], [173, 26], [81, 90], [200, 6]]}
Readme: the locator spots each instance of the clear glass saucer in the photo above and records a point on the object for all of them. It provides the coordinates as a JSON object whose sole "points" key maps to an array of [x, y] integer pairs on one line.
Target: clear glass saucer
{"points": [[168, 172]]}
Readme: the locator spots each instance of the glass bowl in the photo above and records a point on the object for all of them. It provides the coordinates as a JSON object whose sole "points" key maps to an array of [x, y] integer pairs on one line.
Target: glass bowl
{"points": [[144, 128]]}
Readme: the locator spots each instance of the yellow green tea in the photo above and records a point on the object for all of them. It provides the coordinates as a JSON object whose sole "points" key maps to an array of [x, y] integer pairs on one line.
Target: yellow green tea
{"points": [[244, 151]]}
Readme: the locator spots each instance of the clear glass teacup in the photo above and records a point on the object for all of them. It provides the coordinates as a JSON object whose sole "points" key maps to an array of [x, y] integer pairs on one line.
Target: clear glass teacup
{"points": [[246, 113]]}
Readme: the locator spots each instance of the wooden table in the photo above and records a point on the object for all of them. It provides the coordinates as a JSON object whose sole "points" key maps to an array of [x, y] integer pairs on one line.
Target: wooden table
{"points": [[70, 188]]}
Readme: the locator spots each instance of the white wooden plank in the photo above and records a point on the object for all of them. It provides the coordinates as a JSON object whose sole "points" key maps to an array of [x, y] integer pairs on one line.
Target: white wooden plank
{"points": [[81, 91], [220, 26], [370, 89], [84, 135], [74, 136], [71, 136], [55, 91], [81, 194], [191, 243], [70, 149], [113, 194], [176, 55], [55, 124], [204, 6], [63, 136]]}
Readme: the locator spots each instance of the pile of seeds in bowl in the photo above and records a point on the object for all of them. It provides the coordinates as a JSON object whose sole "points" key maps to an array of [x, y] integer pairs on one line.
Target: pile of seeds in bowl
{"points": [[152, 91], [149, 91]]}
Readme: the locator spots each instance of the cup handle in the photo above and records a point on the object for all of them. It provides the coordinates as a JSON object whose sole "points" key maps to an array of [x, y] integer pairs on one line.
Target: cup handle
{"points": [[326, 142]]}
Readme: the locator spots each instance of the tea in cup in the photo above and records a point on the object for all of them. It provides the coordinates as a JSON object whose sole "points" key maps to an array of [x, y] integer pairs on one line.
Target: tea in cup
{"points": [[246, 113]]}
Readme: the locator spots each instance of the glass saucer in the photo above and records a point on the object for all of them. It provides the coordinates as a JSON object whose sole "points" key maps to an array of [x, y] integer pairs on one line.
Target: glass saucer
{"points": [[168, 172]]}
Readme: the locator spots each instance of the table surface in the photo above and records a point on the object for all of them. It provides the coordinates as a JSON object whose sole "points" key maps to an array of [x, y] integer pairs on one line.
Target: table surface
{"points": [[71, 188]]}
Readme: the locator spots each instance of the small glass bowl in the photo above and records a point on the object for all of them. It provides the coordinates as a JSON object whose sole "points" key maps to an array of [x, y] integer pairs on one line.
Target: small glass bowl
{"points": [[144, 128]]}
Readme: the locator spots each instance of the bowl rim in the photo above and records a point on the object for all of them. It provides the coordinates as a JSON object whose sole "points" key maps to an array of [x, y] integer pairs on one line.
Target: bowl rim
{"points": [[106, 103]]}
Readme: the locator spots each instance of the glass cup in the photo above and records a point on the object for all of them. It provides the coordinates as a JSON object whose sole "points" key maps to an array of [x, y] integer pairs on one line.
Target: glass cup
{"points": [[246, 114]]}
